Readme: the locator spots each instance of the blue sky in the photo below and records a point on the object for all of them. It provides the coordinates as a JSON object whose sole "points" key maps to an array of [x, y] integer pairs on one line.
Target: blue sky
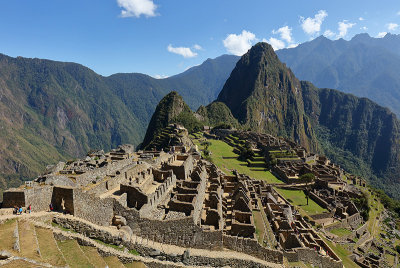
{"points": [[165, 37]]}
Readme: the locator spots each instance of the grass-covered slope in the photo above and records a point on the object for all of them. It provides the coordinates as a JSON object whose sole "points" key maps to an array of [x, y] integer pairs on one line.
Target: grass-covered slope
{"points": [[217, 113]]}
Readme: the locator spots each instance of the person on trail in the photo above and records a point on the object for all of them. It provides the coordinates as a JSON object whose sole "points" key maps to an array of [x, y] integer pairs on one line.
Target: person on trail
{"points": [[29, 209], [20, 210], [51, 207]]}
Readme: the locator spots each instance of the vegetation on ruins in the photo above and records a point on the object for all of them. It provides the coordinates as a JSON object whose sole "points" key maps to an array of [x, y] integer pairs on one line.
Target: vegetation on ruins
{"points": [[246, 152], [363, 205]]}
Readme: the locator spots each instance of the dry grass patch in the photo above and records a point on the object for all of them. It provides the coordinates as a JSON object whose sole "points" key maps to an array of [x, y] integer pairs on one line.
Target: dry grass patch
{"points": [[19, 264], [135, 264], [113, 262], [73, 254], [48, 247], [93, 255], [7, 235], [27, 240]]}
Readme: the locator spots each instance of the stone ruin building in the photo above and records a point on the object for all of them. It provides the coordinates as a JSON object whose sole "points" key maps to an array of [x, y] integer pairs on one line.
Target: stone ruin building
{"points": [[177, 198]]}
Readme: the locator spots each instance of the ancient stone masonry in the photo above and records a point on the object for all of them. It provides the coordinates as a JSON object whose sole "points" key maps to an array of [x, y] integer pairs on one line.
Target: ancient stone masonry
{"points": [[176, 198]]}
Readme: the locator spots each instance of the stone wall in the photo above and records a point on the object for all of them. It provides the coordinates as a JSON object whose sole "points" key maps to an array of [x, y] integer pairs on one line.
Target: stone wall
{"points": [[253, 248], [13, 198], [39, 198], [93, 209], [311, 256], [111, 168], [63, 199], [322, 216], [319, 200], [181, 232]]}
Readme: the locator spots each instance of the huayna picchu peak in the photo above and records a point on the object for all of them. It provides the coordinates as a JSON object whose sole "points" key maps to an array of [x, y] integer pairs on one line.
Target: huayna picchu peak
{"points": [[265, 96]]}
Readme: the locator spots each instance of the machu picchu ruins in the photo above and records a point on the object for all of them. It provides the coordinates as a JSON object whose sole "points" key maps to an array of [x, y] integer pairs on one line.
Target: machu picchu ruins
{"points": [[149, 200]]}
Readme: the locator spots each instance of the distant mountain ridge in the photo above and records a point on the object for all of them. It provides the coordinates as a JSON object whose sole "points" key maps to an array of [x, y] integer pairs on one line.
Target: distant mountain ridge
{"points": [[364, 66], [51, 111]]}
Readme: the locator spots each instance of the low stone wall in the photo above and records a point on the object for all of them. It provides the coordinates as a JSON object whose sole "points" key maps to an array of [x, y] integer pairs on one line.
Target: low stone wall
{"points": [[319, 200], [322, 216], [311, 256], [253, 248], [363, 239]]}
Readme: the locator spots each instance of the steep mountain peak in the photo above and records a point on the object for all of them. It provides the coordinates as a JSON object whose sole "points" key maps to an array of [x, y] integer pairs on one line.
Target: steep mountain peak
{"points": [[263, 94], [361, 37], [171, 109]]}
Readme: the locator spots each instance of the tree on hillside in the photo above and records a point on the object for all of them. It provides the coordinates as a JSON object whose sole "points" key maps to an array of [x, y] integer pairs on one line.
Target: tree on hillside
{"points": [[246, 152]]}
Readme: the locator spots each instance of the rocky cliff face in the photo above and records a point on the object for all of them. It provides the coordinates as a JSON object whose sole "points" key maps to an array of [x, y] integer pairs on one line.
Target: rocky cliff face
{"points": [[345, 123], [265, 96]]}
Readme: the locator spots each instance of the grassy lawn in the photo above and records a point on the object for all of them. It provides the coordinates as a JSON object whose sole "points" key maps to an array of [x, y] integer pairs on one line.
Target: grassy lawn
{"points": [[48, 247], [19, 264], [7, 235], [298, 198], [340, 231], [259, 224], [93, 255], [135, 264], [73, 254], [113, 262], [223, 156], [342, 253], [27, 240]]}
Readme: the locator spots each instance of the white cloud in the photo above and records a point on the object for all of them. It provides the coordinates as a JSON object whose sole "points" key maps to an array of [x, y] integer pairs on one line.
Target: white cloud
{"points": [[381, 34], [136, 8], [361, 19], [197, 47], [186, 52], [285, 33], [329, 34], [292, 45], [275, 43], [364, 28], [392, 26], [160, 76], [312, 26], [239, 44], [344, 26]]}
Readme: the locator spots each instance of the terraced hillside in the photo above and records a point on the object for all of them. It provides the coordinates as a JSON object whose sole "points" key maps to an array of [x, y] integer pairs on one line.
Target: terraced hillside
{"points": [[26, 243]]}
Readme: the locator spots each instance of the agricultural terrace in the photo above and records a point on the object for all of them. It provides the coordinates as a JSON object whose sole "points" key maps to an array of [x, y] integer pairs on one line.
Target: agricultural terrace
{"points": [[223, 156], [298, 199]]}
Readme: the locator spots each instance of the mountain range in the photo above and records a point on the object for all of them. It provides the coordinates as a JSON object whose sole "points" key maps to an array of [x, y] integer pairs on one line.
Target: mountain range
{"points": [[51, 111], [364, 66], [265, 96]]}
